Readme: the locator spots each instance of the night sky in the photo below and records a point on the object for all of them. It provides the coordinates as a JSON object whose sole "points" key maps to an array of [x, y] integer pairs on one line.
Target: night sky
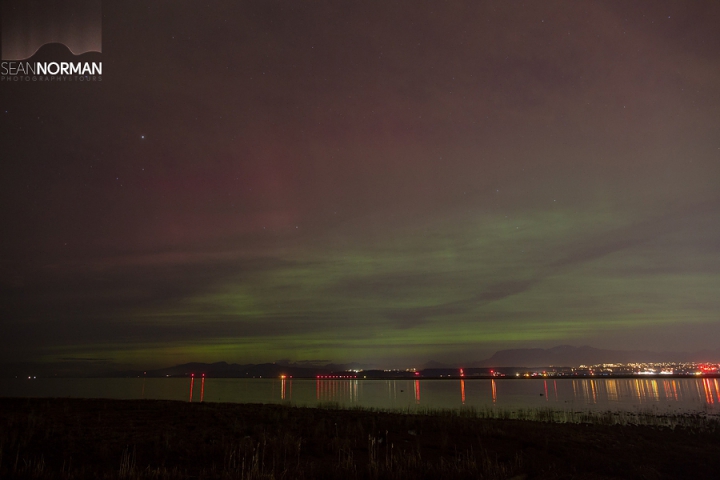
{"points": [[367, 181]]}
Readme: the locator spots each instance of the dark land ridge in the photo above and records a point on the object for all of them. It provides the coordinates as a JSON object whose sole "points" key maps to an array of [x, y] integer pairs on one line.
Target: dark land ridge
{"points": [[508, 362], [139, 439]]}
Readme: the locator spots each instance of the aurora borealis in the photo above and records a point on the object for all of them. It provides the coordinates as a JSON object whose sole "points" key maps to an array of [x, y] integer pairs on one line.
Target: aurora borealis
{"points": [[379, 182]]}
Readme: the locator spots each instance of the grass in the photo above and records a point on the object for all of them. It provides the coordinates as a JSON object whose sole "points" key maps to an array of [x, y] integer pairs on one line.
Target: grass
{"points": [[144, 439], [648, 417]]}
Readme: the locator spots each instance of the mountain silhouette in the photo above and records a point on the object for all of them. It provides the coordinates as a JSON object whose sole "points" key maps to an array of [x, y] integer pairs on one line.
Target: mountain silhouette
{"points": [[58, 52], [566, 355]]}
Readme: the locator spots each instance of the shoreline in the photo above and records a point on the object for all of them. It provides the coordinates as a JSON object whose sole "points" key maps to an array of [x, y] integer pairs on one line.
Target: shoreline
{"points": [[100, 438], [399, 377]]}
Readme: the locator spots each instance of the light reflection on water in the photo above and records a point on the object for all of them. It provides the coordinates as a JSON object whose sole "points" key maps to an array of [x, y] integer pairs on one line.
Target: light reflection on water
{"points": [[625, 394]]}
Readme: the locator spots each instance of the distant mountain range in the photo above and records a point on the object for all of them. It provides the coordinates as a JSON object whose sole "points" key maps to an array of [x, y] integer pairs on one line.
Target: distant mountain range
{"points": [[58, 52], [234, 370], [560, 356], [569, 356]]}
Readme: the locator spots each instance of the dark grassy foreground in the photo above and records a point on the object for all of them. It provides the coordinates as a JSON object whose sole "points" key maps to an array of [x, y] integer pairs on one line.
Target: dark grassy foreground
{"points": [[68, 438]]}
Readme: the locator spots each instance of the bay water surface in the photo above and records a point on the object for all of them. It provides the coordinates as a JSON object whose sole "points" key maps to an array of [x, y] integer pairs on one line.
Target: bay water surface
{"points": [[661, 395]]}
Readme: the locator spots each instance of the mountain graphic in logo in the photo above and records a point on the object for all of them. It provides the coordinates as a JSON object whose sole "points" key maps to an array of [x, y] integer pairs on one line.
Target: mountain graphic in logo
{"points": [[27, 25]]}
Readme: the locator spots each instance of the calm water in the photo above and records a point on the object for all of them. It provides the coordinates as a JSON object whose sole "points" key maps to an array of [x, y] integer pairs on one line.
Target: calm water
{"points": [[661, 395]]}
